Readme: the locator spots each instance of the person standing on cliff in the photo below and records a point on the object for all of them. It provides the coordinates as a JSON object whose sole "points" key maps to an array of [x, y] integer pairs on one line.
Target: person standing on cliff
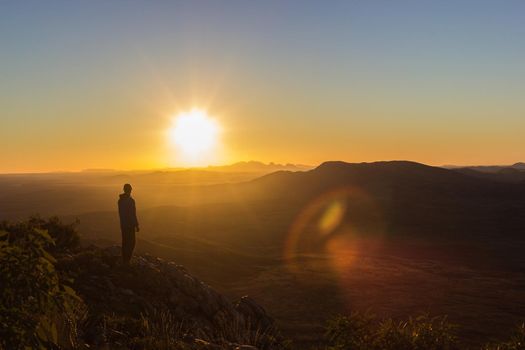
{"points": [[128, 223]]}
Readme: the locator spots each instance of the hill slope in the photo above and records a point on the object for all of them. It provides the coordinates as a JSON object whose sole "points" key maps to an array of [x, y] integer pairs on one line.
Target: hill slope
{"points": [[408, 197], [151, 286]]}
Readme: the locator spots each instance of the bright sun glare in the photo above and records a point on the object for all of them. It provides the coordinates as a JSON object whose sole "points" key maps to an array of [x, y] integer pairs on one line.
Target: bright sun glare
{"points": [[194, 133]]}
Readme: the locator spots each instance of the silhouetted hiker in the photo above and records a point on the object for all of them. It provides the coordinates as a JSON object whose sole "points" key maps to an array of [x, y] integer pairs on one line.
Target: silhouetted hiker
{"points": [[128, 223]]}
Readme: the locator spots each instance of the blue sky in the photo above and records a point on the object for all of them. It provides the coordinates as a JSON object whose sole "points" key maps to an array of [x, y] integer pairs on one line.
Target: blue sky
{"points": [[433, 81]]}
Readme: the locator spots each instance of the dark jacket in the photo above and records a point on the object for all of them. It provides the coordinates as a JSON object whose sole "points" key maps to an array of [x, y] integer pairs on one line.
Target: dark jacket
{"points": [[127, 211]]}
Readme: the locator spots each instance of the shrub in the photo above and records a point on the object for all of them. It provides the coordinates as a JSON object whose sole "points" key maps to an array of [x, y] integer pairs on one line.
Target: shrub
{"points": [[516, 342], [421, 333], [156, 330], [64, 237], [350, 332], [32, 299], [248, 333], [364, 332]]}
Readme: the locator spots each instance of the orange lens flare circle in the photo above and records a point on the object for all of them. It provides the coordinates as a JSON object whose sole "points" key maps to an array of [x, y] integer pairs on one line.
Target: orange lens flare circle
{"points": [[332, 224]]}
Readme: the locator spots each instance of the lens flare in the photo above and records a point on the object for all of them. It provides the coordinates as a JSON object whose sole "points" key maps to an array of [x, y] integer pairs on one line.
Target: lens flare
{"points": [[335, 229], [332, 217]]}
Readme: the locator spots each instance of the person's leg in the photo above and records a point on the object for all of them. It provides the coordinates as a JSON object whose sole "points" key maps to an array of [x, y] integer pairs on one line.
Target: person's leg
{"points": [[126, 246], [131, 243], [123, 245]]}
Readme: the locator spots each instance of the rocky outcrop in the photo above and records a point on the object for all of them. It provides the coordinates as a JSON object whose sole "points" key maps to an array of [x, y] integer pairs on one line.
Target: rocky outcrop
{"points": [[150, 284]]}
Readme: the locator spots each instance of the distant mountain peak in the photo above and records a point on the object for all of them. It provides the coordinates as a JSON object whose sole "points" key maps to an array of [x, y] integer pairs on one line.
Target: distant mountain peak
{"points": [[257, 166], [337, 164]]}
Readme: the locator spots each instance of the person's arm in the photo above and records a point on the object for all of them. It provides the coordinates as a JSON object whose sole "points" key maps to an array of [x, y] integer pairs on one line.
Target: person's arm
{"points": [[135, 216], [119, 206]]}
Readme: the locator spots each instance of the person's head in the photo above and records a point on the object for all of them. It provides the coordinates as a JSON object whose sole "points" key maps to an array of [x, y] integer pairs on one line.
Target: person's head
{"points": [[127, 188]]}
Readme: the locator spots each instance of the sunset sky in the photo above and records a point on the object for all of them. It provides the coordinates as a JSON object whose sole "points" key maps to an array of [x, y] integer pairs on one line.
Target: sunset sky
{"points": [[96, 84]]}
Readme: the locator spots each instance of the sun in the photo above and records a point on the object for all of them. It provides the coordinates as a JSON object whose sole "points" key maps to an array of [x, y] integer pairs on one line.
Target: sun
{"points": [[195, 134]]}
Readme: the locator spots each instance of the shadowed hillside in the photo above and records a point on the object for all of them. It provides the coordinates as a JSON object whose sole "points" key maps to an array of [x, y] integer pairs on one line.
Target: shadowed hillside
{"points": [[511, 174], [411, 198]]}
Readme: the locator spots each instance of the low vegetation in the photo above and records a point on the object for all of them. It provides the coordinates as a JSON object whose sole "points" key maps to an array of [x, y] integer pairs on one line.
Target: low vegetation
{"points": [[516, 341], [364, 331]]}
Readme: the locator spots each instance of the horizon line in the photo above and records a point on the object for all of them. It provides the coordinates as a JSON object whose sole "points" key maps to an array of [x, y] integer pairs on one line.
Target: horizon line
{"points": [[207, 167]]}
